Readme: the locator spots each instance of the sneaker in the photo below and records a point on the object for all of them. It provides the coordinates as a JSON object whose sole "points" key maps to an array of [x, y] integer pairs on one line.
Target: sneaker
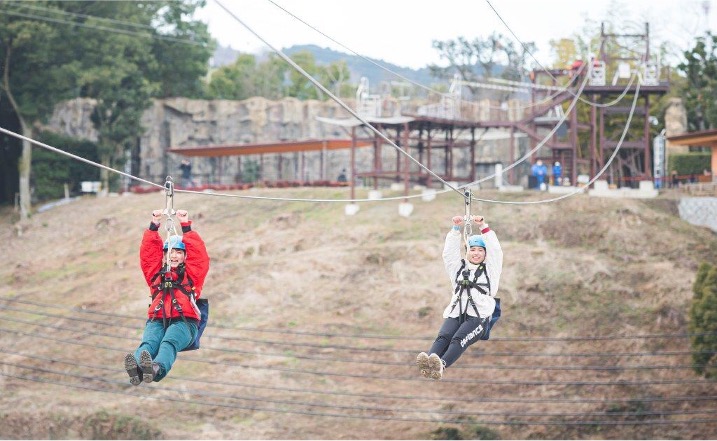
{"points": [[422, 362], [435, 366], [130, 365], [145, 364]]}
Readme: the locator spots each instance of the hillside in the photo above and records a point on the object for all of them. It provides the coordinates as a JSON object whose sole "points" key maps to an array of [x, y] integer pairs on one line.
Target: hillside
{"points": [[316, 316], [359, 66]]}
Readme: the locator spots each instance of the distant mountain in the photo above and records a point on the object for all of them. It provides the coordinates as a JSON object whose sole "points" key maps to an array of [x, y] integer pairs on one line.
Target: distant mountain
{"points": [[358, 66]]}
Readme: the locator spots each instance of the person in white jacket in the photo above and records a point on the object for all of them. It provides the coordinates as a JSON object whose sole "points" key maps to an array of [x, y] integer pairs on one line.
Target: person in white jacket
{"points": [[474, 307]]}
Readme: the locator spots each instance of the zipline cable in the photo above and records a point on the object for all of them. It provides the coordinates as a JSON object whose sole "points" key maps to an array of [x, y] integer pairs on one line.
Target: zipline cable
{"points": [[414, 409], [382, 361], [368, 417], [473, 381], [83, 310], [423, 398]]}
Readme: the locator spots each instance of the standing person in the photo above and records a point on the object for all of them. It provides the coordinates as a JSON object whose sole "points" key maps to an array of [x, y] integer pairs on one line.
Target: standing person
{"points": [[186, 168], [474, 307], [173, 315], [557, 172], [539, 170]]}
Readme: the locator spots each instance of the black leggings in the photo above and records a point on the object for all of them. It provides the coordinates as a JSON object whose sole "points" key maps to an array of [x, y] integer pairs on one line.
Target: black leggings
{"points": [[455, 337]]}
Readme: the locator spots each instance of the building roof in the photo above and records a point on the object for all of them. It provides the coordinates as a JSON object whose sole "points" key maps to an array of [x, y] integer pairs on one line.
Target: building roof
{"points": [[703, 138], [353, 122], [272, 147]]}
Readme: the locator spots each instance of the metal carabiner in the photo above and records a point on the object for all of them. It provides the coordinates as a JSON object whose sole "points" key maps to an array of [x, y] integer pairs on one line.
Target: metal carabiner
{"points": [[468, 229], [169, 196]]}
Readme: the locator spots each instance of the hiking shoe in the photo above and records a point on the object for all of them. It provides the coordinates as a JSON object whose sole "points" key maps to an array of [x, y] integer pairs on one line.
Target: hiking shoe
{"points": [[130, 365], [145, 364], [435, 367], [422, 362]]}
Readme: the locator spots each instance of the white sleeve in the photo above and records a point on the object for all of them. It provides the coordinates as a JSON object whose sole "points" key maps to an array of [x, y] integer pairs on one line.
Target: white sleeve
{"points": [[493, 260], [452, 253]]}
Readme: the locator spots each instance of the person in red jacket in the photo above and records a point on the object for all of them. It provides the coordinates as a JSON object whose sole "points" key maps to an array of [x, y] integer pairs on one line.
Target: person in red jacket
{"points": [[175, 280]]}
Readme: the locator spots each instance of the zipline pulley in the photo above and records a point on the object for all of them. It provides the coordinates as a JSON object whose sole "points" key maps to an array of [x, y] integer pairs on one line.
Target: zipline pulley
{"points": [[468, 229]]}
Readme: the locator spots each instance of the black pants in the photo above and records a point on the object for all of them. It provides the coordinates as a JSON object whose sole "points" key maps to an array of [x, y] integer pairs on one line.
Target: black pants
{"points": [[455, 336]]}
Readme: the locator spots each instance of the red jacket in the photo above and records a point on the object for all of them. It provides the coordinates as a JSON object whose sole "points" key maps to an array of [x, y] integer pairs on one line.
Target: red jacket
{"points": [[151, 258]]}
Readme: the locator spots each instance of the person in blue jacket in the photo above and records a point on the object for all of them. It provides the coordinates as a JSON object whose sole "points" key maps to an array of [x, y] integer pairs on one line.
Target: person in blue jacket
{"points": [[557, 173]]}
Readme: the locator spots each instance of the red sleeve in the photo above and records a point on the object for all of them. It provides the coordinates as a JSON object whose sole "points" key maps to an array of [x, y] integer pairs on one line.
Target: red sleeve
{"points": [[197, 262], [150, 254]]}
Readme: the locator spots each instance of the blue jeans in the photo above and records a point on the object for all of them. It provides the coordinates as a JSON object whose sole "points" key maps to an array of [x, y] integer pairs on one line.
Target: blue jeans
{"points": [[163, 344]]}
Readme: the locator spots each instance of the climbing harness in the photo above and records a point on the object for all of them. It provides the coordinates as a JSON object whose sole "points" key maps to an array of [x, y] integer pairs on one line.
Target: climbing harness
{"points": [[171, 281], [464, 285]]}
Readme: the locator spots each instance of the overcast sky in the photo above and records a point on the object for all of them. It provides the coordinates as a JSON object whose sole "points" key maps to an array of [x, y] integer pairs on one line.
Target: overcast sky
{"points": [[401, 31]]}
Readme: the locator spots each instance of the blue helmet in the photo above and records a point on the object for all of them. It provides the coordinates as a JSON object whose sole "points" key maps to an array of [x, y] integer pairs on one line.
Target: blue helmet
{"points": [[476, 241], [176, 242]]}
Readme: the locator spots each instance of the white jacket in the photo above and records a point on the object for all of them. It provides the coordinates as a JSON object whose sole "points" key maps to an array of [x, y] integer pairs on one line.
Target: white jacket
{"points": [[493, 268]]}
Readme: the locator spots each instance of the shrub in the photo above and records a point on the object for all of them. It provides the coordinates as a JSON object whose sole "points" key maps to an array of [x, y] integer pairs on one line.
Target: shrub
{"points": [[690, 163], [703, 321]]}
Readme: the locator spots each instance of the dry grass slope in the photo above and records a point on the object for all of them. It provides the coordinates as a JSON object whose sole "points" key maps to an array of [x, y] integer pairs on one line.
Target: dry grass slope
{"points": [[297, 290]]}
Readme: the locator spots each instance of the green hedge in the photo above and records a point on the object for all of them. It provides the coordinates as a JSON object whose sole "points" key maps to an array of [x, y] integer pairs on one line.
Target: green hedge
{"points": [[689, 163], [51, 170]]}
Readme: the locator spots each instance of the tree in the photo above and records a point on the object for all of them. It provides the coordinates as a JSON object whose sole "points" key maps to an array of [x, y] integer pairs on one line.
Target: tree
{"points": [[494, 56], [298, 85], [275, 78], [703, 321], [121, 53], [27, 47], [234, 81], [700, 91], [336, 77]]}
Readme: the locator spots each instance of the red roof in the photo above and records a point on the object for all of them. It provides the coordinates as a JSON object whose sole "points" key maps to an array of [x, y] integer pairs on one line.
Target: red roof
{"points": [[273, 147]]}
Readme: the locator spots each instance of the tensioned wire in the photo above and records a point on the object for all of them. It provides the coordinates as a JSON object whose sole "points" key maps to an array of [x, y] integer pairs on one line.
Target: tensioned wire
{"points": [[457, 189], [102, 28], [411, 410], [346, 107], [451, 187], [593, 179], [180, 378], [621, 383], [408, 80], [591, 103], [314, 346], [324, 414], [544, 100], [185, 41], [87, 161], [353, 336], [298, 68]]}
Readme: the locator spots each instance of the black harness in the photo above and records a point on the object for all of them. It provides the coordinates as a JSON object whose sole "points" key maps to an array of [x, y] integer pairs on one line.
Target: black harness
{"points": [[167, 286], [464, 285]]}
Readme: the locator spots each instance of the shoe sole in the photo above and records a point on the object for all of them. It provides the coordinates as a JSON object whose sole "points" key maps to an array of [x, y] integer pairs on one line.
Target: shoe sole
{"points": [[145, 364], [130, 365], [435, 366], [422, 363]]}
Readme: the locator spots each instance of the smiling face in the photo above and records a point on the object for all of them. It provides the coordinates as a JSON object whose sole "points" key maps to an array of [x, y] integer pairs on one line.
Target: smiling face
{"points": [[476, 255], [176, 257]]}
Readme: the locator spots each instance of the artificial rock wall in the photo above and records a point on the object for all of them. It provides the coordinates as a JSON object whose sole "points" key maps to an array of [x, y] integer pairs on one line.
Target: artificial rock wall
{"points": [[182, 122]]}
